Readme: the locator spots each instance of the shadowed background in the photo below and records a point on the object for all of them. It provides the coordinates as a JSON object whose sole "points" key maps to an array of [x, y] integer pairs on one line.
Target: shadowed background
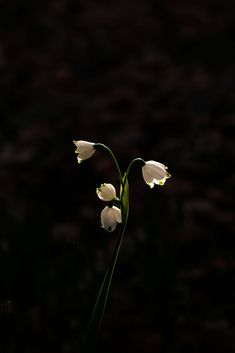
{"points": [[150, 79]]}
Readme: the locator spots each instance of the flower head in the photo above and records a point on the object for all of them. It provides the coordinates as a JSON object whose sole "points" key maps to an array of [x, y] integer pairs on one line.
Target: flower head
{"points": [[155, 173], [109, 217], [84, 150], [106, 192]]}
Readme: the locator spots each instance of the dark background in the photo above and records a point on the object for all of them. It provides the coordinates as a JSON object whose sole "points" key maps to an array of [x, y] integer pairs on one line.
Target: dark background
{"points": [[150, 79]]}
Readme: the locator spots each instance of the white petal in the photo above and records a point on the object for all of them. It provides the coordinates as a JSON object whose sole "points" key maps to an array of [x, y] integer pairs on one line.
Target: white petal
{"points": [[151, 185], [157, 164], [147, 175], [81, 144], [79, 159], [155, 169], [117, 214], [108, 220], [110, 216]]}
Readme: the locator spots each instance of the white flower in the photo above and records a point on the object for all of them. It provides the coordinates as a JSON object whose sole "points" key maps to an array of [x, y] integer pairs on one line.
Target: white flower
{"points": [[154, 173], [84, 150], [106, 192], [110, 216]]}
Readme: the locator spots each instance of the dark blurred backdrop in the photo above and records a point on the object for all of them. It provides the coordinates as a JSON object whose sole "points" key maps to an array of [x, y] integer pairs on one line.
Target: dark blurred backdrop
{"points": [[150, 79]]}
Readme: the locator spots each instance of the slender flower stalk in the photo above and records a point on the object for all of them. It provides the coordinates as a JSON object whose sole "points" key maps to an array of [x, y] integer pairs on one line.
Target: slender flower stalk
{"points": [[106, 148], [101, 301], [102, 297]]}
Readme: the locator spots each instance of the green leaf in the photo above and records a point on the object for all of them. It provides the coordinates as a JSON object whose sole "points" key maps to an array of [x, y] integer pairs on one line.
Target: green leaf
{"points": [[124, 192]]}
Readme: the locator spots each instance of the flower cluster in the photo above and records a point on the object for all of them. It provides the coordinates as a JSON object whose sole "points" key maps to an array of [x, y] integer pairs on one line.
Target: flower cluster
{"points": [[111, 215], [154, 173], [115, 212]]}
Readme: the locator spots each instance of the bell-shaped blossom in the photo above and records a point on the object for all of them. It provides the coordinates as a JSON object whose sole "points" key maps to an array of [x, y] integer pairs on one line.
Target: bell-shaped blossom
{"points": [[155, 173], [106, 192], [109, 217], [84, 150]]}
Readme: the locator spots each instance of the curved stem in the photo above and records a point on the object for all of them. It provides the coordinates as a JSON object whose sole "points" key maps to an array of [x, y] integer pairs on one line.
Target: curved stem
{"points": [[131, 164], [113, 157]]}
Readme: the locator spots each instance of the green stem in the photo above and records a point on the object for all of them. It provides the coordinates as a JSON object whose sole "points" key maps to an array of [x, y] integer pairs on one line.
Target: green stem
{"points": [[131, 164], [101, 301], [113, 157]]}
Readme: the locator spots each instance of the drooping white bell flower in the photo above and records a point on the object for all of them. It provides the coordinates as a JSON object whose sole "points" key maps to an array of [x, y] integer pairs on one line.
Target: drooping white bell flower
{"points": [[109, 217], [84, 150], [155, 173], [106, 192]]}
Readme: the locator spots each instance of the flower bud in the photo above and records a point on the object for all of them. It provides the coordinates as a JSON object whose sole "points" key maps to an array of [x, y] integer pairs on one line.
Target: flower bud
{"points": [[106, 192]]}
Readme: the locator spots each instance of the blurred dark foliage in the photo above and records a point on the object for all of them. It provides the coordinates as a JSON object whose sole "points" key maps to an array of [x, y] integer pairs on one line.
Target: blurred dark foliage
{"points": [[151, 79]]}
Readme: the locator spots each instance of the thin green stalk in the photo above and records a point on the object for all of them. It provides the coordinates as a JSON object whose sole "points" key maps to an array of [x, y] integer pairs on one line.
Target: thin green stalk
{"points": [[106, 148], [101, 301], [131, 164], [100, 305]]}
